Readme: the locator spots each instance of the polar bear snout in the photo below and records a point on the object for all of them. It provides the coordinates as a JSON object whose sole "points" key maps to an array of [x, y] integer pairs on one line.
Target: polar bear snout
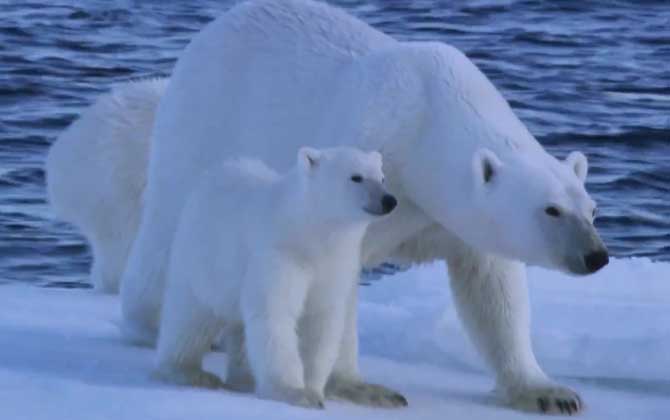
{"points": [[388, 203], [591, 256], [379, 202], [596, 260]]}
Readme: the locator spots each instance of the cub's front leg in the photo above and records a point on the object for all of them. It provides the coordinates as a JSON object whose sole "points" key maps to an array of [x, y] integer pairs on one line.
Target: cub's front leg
{"points": [[345, 382], [321, 329], [272, 301]]}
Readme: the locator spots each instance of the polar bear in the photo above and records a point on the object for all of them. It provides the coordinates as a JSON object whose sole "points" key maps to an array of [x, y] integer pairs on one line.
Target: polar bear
{"points": [[475, 189], [96, 173], [278, 255]]}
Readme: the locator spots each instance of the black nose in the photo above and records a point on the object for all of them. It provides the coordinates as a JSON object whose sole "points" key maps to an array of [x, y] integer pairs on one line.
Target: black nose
{"points": [[388, 203], [596, 260]]}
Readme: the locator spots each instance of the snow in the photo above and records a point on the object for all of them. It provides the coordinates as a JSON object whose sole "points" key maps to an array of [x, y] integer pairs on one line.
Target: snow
{"points": [[607, 335]]}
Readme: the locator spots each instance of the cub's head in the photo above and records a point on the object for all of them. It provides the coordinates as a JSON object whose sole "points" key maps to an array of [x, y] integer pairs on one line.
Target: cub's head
{"points": [[344, 184], [539, 211]]}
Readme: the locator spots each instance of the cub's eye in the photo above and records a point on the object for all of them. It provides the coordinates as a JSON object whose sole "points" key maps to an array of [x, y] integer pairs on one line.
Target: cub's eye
{"points": [[595, 211], [357, 178], [552, 211]]}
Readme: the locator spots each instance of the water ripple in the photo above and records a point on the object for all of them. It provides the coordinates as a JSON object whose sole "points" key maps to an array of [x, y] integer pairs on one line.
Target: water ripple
{"points": [[590, 76]]}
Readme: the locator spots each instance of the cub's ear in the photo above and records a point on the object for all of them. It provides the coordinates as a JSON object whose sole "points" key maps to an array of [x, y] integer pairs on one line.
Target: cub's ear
{"points": [[376, 157], [579, 165], [486, 166], [308, 158]]}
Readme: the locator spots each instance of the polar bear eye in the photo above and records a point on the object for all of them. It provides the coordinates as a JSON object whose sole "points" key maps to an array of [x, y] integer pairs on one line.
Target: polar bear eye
{"points": [[552, 211], [595, 211], [357, 178]]}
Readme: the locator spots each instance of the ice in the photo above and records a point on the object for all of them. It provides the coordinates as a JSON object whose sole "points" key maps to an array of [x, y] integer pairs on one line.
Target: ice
{"points": [[607, 335]]}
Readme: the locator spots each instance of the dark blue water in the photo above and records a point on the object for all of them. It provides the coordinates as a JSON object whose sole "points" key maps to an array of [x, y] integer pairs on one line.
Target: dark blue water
{"points": [[592, 76]]}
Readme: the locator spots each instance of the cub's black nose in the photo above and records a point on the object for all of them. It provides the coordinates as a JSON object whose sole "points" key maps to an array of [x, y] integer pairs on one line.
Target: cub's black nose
{"points": [[388, 203], [596, 260]]}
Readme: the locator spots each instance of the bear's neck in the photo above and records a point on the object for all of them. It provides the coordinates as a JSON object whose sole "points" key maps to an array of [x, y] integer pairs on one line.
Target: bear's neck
{"points": [[302, 227]]}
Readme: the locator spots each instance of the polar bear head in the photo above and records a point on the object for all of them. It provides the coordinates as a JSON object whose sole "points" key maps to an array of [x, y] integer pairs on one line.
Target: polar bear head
{"points": [[475, 169], [344, 184], [532, 209], [539, 211]]}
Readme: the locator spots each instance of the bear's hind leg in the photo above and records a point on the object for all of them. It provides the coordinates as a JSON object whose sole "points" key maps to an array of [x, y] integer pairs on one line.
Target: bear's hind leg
{"points": [[492, 300], [102, 276], [238, 372], [109, 260], [187, 332]]}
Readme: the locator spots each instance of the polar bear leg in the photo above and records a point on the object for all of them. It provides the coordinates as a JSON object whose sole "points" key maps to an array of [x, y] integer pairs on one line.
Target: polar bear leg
{"points": [[320, 337], [238, 372], [109, 260], [345, 382], [102, 268], [271, 304], [187, 333], [491, 297], [143, 283]]}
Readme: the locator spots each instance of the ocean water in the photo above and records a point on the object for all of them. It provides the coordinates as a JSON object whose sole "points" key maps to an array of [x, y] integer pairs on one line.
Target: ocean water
{"points": [[591, 76]]}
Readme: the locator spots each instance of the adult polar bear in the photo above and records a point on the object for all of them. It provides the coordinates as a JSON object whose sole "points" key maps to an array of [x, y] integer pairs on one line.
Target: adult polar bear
{"points": [[475, 188]]}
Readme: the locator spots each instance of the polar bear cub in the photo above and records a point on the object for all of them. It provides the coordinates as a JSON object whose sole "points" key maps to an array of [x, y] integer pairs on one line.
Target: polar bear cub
{"points": [[276, 255]]}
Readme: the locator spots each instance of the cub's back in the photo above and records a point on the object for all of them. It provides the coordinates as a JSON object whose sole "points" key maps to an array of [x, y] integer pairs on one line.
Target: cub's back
{"points": [[221, 224], [229, 194]]}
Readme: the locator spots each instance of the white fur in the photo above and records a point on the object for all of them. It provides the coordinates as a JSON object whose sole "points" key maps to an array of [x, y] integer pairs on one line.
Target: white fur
{"points": [[96, 174], [439, 124], [276, 254]]}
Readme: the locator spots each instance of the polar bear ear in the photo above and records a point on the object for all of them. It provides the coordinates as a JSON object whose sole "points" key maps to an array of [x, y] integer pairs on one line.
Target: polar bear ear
{"points": [[579, 165], [376, 155], [486, 166], [376, 158], [308, 158]]}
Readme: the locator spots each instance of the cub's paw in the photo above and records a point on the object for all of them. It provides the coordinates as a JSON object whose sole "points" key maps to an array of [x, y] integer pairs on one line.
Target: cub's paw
{"points": [[305, 398], [309, 399], [363, 393], [547, 399], [189, 377]]}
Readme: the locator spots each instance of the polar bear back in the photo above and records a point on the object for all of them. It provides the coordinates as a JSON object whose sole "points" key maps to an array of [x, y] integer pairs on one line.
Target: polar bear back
{"points": [[265, 88]]}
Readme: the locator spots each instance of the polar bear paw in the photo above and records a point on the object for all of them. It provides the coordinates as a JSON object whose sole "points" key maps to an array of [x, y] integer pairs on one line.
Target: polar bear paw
{"points": [[363, 393], [305, 398], [308, 399], [547, 399], [189, 377]]}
